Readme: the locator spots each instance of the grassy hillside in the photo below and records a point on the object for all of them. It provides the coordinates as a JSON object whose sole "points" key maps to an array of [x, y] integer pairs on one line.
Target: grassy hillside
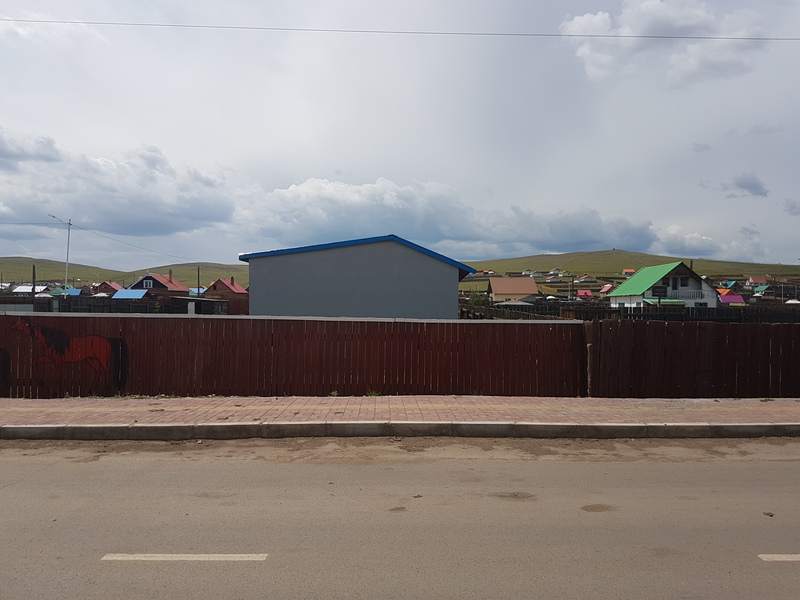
{"points": [[602, 263], [611, 262], [19, 269]]}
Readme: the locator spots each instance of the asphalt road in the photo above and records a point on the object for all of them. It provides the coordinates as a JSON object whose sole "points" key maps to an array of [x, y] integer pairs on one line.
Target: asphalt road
{"points": [[404, 518]]}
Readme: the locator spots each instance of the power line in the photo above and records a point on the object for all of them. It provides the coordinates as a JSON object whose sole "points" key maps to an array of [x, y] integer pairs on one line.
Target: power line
{"points": [[132, 245], [49, 224], [405, 32]]}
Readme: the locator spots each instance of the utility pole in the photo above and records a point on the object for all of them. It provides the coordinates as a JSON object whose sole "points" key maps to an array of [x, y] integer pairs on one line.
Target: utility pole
{"points": [[68, 225]]}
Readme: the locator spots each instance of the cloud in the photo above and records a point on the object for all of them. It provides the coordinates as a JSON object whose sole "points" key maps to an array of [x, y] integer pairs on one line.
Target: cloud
{"points": [[744, 185], [139, 195], [684, 61], [16, 148], [322, 210], [677, 242], [145, 195], [701, 147], [792, 207], [745, 245]]}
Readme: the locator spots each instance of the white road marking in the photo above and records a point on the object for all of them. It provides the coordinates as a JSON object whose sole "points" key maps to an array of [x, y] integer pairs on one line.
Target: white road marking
{"points": [[218, 557], [783, 557]]}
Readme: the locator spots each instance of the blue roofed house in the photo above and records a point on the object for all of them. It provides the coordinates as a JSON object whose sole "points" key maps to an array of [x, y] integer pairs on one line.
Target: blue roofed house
{"points": [[672, 283], [379, 277]]}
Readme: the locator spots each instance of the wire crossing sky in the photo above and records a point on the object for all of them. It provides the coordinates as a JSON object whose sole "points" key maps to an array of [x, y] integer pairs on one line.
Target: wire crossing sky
{"points": [[408, 32]]}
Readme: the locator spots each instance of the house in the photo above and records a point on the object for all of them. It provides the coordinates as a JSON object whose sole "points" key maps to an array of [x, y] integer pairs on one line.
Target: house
{"points": [[226, 289], [108, 287], [585, 295], [672, 283], [160, 285], [756, 280], [606, 288], [382, 277], [628, 272], [21, 290], [732, 300], [505, 289]]}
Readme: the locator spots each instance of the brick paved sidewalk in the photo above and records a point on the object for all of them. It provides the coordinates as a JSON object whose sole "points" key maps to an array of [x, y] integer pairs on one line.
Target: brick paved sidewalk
{"points": [[459, 409]]}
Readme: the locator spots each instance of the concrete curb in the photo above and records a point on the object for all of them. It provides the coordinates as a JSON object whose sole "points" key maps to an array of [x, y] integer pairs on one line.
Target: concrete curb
{"points": [[488, 429]]}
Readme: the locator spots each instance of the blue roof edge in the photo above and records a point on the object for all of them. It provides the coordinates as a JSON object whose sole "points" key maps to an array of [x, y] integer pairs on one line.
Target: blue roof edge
{"points": [[246, 256]]}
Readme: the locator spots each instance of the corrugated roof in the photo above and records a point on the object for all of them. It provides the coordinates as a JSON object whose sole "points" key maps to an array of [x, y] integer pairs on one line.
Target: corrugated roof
{"points": [[129, 294], [513, 285], [644, 279], [731, 299], [464, 269]]}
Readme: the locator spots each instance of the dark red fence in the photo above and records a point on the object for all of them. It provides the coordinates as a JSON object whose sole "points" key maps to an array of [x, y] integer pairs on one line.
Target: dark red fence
{"points": [[59, 355], [657, 359]]}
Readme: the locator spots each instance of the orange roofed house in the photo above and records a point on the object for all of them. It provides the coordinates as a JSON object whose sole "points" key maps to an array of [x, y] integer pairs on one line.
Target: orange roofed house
{"points": [[503, 289]]}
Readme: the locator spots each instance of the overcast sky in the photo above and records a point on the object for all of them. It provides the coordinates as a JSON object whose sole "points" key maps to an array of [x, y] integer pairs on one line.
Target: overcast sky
{"points": [[177, 144]]}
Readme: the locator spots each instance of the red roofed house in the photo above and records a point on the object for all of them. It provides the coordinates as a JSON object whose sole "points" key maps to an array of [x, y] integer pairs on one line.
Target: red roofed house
{"points": [[503, 289], [108, 287], [161, 285], [226, 289], [755, 280]]}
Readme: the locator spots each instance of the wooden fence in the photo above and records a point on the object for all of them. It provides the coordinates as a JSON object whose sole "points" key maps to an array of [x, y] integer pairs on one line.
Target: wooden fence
{"points": [[57, 355]]}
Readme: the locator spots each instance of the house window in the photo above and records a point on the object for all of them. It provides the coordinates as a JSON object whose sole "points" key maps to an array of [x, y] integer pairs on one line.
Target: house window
{"points": [[684, 281], [147, 283], [702, 304]]}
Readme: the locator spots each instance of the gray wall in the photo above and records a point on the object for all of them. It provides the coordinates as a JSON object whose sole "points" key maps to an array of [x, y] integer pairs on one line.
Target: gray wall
{"points": [[380, 279]]}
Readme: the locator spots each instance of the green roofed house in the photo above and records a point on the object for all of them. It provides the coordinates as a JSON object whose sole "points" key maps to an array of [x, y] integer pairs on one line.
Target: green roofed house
{"points": [[673, 283]]}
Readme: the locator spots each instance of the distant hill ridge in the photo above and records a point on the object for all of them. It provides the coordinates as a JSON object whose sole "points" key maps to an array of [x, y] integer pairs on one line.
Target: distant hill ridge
{"points": [[19, 269], [599, 263], [612, 262]]}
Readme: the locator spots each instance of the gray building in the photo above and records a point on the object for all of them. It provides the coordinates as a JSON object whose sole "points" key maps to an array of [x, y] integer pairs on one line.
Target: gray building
{"points": [[384, 277]]}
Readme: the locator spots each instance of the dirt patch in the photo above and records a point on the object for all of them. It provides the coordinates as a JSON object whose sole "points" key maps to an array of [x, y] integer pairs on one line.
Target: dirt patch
{"points": [[515, 496], [410, 449], [598, 508]]}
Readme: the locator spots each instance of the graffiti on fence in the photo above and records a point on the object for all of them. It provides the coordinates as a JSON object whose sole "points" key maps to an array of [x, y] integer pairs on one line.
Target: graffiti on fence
{"points": [[108, 357]]}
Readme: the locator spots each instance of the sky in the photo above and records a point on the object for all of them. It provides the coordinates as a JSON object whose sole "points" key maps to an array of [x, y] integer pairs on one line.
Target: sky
{"points": [[477, 129]]}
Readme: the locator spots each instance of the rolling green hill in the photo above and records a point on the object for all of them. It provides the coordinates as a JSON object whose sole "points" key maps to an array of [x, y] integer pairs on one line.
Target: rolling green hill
{"points": [[19, 269], [603, 263], [611, 262]]}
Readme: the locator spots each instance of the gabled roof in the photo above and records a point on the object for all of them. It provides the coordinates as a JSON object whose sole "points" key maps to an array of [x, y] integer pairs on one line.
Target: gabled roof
{"points": [[606, 288], [113, 285], [172, 285], [513, 285], [59, 291], [757, 279], [645, 278], [585, 294], [731, 299], [464, 270], [231, 285]]}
